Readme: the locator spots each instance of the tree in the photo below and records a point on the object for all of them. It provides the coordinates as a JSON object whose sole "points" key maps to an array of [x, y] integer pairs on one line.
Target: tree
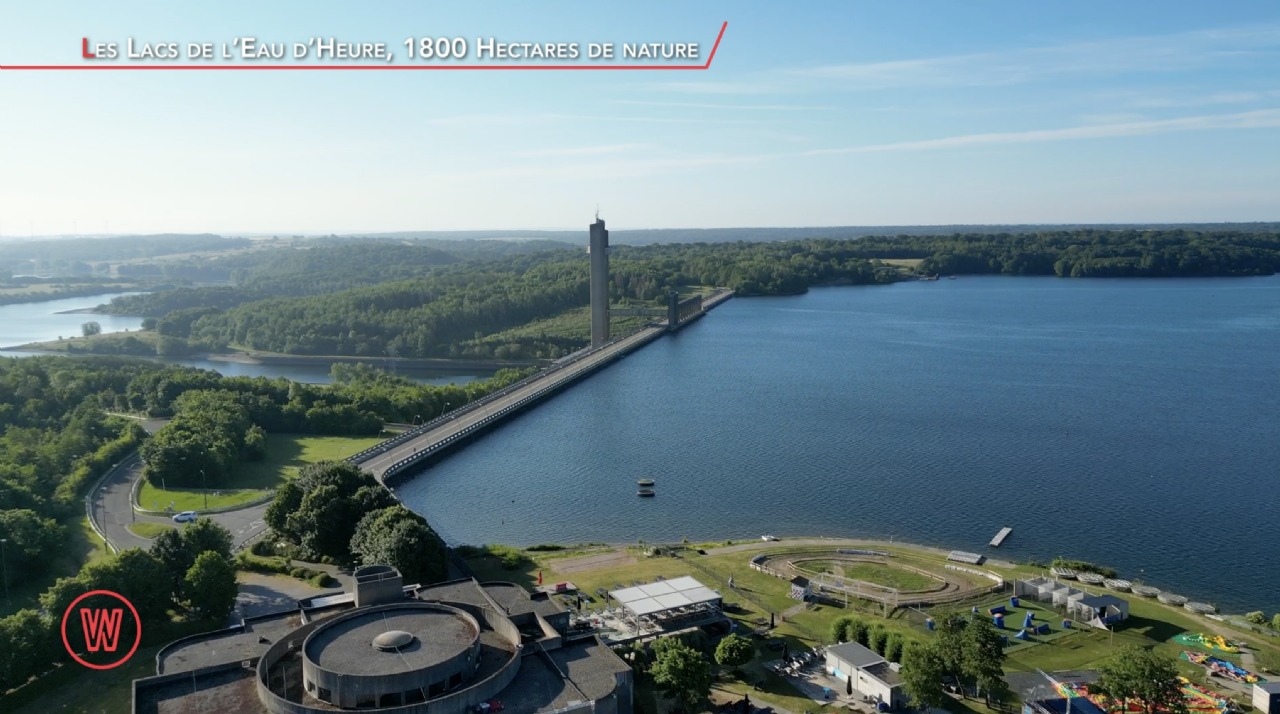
{"points": [[25, 647], [680, 670], [178, 550], [205, 534], [948, 643], [922, 670], [335, 497], [210, 585], [893, 647], [859, 631], [134, 574], [287, 500], [983, 659], [33, 541], [734, 651], [1143, 676], [399, 537], [842, 628], [877, 639], [1256, 617], [91, 328]]}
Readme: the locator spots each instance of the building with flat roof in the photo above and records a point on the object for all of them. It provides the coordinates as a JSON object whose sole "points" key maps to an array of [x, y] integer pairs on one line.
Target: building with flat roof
{"points": [[1266, 697], [443, 649], [868, 673]]}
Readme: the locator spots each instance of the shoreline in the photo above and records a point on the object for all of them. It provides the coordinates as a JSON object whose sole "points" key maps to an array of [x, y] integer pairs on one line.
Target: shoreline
{"points": [[808, 541]]}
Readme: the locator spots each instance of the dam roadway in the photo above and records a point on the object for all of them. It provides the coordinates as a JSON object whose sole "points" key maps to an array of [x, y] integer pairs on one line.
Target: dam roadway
{"points": [[391, 458], [405, 453]]}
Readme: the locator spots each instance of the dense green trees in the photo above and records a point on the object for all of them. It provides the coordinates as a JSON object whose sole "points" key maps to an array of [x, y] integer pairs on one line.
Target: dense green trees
{"points": [[1143, 676], [967, 648], [399, 537], [735, 651], [321, 507], [210, 585], [681, 671]]}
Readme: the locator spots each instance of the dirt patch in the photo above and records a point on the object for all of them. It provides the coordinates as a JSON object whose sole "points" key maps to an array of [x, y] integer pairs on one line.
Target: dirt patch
{"points": [[612, 559]]}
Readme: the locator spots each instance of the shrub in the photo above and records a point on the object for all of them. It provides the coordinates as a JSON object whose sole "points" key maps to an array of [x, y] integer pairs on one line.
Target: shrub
{"points": [[546, 547], [1256, 617], [322, 580]]}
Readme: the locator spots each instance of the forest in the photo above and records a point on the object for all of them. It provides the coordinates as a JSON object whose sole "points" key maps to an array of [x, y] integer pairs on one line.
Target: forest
{"points": [[406, 299]]}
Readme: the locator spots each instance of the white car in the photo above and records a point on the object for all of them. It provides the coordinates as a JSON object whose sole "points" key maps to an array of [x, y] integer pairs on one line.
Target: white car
{"points": [[185, 517]]}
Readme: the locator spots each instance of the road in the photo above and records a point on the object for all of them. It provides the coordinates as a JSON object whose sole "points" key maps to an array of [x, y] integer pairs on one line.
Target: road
{"points": [[113, 510], [379, 462], [111, 504]]}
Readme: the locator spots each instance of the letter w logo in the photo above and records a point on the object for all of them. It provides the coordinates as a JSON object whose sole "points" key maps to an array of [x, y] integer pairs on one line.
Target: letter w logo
{"points": [[101, 628]]}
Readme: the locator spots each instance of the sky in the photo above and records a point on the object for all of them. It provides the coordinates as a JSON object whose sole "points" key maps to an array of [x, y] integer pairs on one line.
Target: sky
{"points": [[811, 114]]}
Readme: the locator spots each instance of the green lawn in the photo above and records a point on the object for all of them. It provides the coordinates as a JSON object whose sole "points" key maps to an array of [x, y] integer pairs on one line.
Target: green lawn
{"points": [[757, 595], [879, 573], [285, 454], [148, 529]]}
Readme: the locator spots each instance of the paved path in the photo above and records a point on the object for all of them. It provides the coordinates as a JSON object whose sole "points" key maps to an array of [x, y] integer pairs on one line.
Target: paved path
{"points": [[485, 411]]}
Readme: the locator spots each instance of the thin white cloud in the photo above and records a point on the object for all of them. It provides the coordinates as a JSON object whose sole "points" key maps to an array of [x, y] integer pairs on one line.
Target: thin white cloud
{"points": [[1261, 119], [1116, 56], [726, 107], [582, 151], [715, 88]]}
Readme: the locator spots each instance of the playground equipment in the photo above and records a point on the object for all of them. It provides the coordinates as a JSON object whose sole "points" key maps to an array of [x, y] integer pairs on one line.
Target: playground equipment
{"points": [[1221, 667], [1209, 642], [1198, 699]]}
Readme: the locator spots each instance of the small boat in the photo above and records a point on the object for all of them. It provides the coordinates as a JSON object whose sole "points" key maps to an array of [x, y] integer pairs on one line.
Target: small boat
{"points": [[769, 538], [645, 483], [645, 492]]}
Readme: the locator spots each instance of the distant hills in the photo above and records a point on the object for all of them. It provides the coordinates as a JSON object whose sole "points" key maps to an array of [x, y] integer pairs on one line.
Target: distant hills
{"points": [[729, 235]]}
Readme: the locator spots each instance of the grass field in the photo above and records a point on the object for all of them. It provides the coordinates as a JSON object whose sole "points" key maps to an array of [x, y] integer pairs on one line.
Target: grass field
{"points": [[286, 453], [86, 344], [758, 595], [902, 262], [878, 573], [148, 529]]}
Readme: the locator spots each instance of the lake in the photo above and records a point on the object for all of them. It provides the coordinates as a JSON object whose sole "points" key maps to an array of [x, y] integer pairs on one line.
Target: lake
{"points": [[1132, 423], [48, 320]]}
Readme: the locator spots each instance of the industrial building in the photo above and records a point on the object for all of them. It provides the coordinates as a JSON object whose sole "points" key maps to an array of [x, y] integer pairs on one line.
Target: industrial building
{"points": [[445, 649]]}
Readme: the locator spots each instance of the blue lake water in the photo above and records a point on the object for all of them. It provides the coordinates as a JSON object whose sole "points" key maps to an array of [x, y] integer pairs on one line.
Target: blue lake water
{"points": [[1134, 423]]}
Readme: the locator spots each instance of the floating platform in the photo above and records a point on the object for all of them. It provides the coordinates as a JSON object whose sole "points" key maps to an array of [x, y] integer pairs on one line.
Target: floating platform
{"points": [[1145, 591], [1090, 578], [1064, 573], [1004, 533], [1171, 599], [1117, 585], [645, 492]]}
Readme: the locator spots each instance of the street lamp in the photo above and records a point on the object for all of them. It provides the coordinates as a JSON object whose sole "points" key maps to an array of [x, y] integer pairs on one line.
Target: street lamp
{"points": [[204, 485]]}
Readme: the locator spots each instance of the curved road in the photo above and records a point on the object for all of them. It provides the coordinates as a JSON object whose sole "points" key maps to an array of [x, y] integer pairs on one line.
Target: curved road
{"points": [[111, 508]]}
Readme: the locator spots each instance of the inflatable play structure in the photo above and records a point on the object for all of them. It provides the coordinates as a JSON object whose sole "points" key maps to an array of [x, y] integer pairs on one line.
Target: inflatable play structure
{"points": [[1221, 667], [1198, 699], [1209, 642]]}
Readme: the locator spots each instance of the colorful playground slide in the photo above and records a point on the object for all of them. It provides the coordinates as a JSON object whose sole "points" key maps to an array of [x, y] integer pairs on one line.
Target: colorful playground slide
{"points": [[1209, 642], [1221, 667]]}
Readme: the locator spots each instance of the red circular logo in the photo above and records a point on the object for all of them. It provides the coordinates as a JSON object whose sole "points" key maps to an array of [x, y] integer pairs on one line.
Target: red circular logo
{"points": [[101, 627]]}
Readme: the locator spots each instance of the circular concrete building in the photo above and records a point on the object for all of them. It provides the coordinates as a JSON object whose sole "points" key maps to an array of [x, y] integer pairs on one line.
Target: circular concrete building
{"points": [[387, 655]]}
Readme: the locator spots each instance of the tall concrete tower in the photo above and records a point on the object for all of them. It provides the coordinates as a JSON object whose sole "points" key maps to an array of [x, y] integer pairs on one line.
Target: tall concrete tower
{"points": [[598, 247]]}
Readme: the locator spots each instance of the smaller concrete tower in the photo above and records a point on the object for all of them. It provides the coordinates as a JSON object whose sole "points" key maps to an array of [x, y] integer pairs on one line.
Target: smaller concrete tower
{"points": [[598, 247]]}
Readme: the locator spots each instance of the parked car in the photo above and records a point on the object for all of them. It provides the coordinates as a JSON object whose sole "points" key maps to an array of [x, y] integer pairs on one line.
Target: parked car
{"points": [[185, 517]]}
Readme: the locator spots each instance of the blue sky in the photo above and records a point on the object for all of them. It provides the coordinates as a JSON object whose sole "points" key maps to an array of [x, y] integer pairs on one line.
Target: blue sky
{"points": [[840, 113]]}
